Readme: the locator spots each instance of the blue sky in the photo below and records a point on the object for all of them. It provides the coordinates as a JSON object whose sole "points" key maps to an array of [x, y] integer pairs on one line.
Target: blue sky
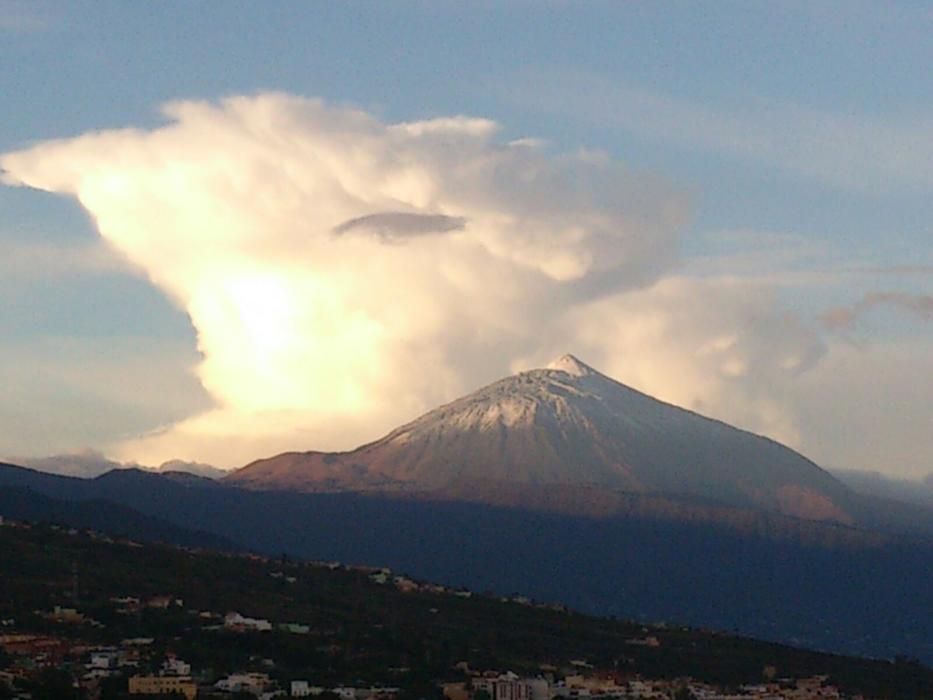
{"points": [[801, 134]]}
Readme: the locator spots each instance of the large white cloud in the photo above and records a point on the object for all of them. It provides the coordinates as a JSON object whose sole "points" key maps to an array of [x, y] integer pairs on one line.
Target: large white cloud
{"points": [[344, 274], [720, 346], [868, 406]]}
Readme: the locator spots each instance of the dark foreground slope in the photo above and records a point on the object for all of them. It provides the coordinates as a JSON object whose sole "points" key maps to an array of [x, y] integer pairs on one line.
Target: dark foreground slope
{"points": [[367, 632], [816, 585], [104, 516]]}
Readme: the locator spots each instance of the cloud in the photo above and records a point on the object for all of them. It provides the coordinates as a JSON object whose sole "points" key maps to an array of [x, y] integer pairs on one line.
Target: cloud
{"points": [[62, 392], [898, 270], [29, 261], [720, 346], [312, 340], [392, 225], [843, 318], [759, 254], [873, 483], [90, 463], [83, 464], [868, 407], [864, 154]]}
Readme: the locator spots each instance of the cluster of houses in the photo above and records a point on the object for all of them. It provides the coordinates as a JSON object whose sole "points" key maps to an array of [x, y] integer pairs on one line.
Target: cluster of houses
{"points": [[148, 672], [491, 685], [168, 675], [174, 676], [88, 664], [385, 577]]}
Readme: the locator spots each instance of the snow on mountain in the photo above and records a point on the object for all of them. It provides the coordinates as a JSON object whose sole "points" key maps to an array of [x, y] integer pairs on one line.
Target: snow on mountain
{"points": [[567, 425], [572, 366]]}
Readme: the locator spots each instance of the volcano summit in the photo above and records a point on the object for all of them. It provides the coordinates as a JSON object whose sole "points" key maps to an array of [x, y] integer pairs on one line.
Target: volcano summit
{"points": [[567, 425]]}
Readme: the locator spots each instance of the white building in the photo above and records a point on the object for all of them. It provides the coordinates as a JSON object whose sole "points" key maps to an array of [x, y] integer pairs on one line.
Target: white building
{"points": [[235, 621], [175, 667], [508, 686], [300, 689], [538, 688], [103, 659], [252, 683]]}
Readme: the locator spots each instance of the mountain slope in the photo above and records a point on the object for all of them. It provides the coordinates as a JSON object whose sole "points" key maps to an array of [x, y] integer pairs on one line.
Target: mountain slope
{"points": [[569, 425], [809, 583], [427, 631], [20, 503], [89, 464]]}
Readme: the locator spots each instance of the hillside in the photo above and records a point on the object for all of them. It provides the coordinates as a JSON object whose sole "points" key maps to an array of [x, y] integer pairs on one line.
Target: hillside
{"points": [[105, 516], [372, 632], [813, 584]]}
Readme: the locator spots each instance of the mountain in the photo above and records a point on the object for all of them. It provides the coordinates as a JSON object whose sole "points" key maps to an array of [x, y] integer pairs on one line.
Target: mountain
{"points": [[196, 469], [809, 583], [914, 491], [103, 516], [83, 464], [568, 425], [88, 464]]}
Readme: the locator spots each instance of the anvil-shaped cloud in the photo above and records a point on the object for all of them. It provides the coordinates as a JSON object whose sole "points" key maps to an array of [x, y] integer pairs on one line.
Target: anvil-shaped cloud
{"points": [[267, 218]]}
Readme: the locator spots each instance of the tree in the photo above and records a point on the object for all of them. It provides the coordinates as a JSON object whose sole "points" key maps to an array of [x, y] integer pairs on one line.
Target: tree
{"points": [[112, 688], [55, 685]]}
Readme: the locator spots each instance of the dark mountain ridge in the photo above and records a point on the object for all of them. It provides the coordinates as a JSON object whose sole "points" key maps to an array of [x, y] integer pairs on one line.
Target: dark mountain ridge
{"points": [[108, 517]]}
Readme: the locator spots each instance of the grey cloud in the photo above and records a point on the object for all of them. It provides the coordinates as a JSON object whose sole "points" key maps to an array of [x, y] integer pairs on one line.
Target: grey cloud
{"points": [[875, 483], [89, 463], [870, 155], [391, 225], [844, 317], [84, 464]]}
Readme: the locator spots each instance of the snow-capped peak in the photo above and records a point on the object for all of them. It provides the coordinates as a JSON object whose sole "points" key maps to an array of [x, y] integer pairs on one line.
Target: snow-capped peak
{"points": [[567, 425], [571, 365]]}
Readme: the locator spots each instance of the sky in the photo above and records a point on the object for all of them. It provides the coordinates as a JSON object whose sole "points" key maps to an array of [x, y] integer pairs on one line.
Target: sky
{"points": [[233, 229]]}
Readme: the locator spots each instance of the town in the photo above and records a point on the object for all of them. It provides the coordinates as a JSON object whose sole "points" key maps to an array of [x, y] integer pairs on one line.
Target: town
{"points": [[129, 669], [94, 642]]}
